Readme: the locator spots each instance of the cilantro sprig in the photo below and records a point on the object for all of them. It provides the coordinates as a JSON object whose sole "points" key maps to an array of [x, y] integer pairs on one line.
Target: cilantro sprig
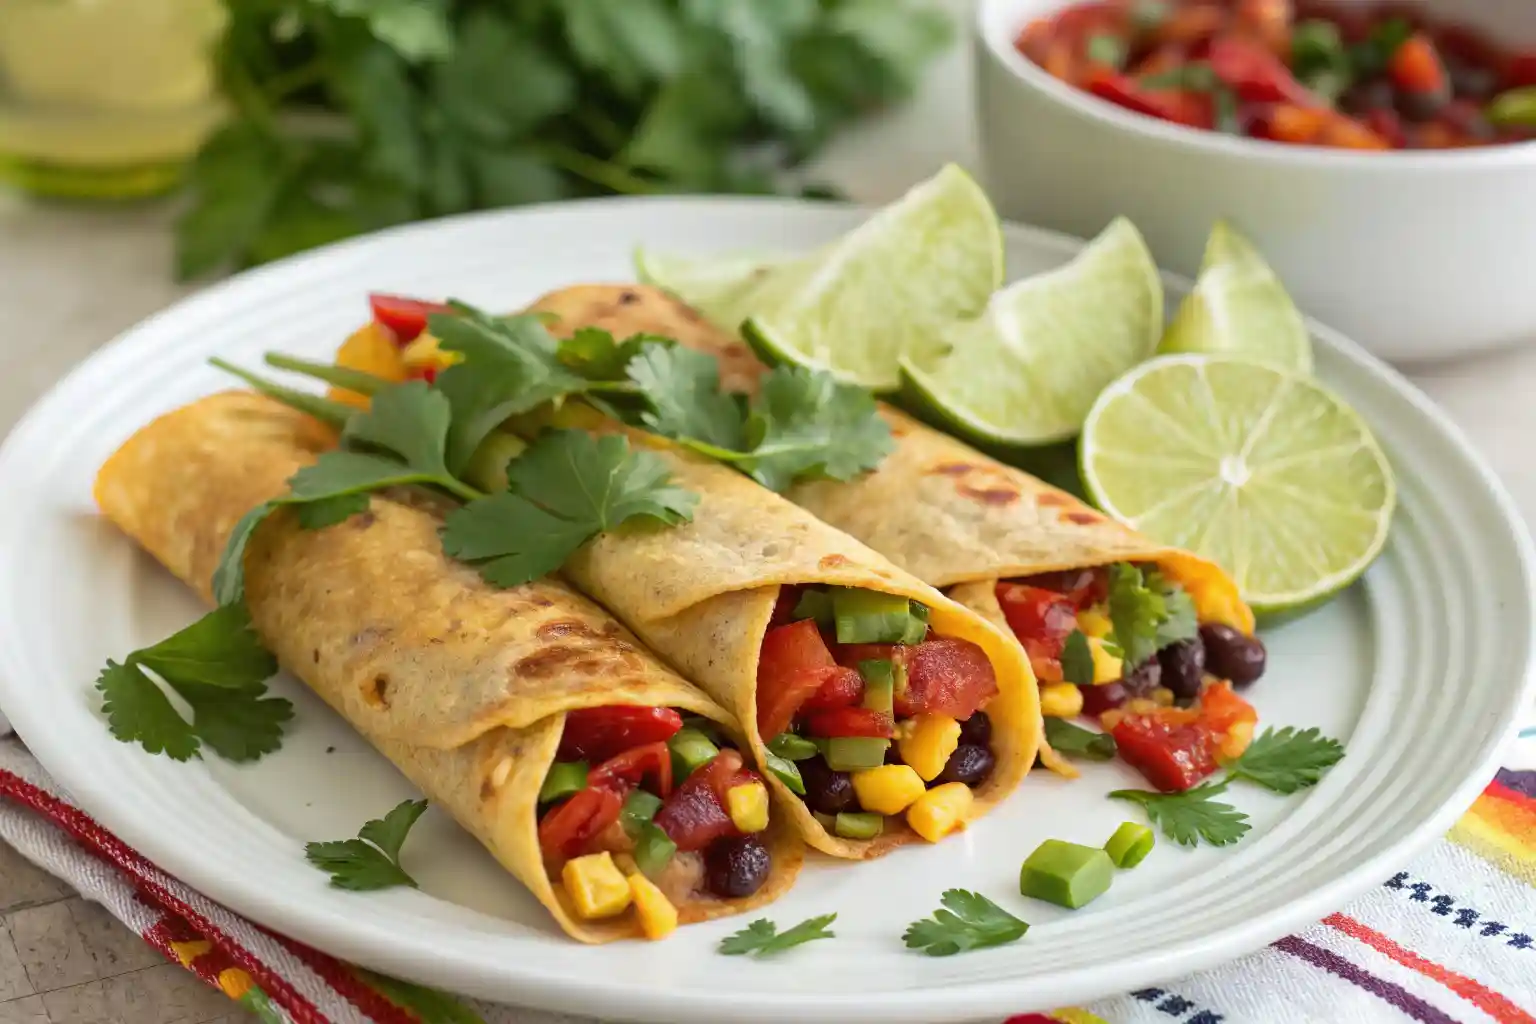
{"points": [[1147, 612], [1283, 761], [219, 668], [762, 937], [371, 861], [968, 921]]}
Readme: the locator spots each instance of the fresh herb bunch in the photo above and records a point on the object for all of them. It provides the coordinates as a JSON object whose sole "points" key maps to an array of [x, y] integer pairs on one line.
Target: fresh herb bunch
{"points": [[351, 115]]}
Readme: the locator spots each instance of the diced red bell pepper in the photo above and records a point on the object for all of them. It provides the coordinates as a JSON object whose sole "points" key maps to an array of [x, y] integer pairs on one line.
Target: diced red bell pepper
{"points": [[1186, 107], [568, 827], [407, 318], [1221, 708], [1521, 71], [840, 688], [597, 734], [624, 772], [946, 677], [1256, 74], [791, 667], [1416, 67], [1042, 620], [1172, 754], [695, 815], [1085, 587], [850, 722]]}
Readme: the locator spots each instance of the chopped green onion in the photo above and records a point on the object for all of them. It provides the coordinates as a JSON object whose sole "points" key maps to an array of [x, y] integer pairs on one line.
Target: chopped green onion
{"points": [[792, 747], [854, 753], [1106, 49], [859, 825], [879, 685], [786, 772], [1130, 844], [814, 604], [871, 617], [639, 808]]}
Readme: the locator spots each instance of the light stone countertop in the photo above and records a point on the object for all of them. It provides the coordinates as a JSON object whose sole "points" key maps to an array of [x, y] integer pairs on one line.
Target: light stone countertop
{"points": [[71, 278]]}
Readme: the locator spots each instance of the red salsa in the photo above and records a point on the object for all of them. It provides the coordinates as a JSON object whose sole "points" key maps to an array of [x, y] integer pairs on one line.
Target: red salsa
{"points": [[1309, 72]]}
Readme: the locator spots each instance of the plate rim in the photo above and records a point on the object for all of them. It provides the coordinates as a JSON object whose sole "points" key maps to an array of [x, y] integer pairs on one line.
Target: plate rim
{"points": [[953, 1001]]}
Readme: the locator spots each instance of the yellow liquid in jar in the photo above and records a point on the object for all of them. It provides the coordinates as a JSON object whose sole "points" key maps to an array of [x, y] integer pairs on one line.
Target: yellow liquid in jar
{"points": [[104, 97]]}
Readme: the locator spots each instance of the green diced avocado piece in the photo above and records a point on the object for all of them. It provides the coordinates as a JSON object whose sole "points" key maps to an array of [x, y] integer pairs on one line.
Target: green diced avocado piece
{"points": [[851, 753], [653, 849], [639, 808], [879, 685], [791, 747], [1066, 874], [1130, 844], [869, 617], [859, 825], [813, 604], [565, 778], [691, 750]]}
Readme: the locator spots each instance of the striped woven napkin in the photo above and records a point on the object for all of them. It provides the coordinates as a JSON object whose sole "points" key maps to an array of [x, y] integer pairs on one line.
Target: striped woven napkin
{"points": [[1451, 939]]}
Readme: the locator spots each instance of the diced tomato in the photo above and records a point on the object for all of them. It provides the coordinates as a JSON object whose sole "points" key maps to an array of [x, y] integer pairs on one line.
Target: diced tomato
{"points": [[1035, 39], [784, 605], [946, 677], [597, 734], [1190, 25], [791, 667], [1160, 61], [1221, 708], [1172, 755], [850, 722], [840, 687], [695, 814], [623, 772], [1186, 107], [1387, 124], [1256, 74], [1521, 71], [1416, 67], [568, 827], [1042, 620], [1268, 22], [1346, 133], [407, 318], [850, 655], [1085, 587]]}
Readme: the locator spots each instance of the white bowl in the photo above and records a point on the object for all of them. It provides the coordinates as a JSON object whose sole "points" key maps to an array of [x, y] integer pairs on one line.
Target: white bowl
{"points": [[1419, 255]]}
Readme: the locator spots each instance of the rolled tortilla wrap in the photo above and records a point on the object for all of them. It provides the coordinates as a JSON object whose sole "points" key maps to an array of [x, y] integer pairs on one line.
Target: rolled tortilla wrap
{"points": [[463, 686]]}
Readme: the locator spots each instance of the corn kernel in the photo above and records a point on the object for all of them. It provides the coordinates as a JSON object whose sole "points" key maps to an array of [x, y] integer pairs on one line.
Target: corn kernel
{"points": [[748, 804], [1107, 668], [658, 917], [426, 352], [1162, 696], [1061, 700], [596, 885], [929, 741], [1111, 718], [1094, 623], [940, 811], [1232, 745], [889, 789]]}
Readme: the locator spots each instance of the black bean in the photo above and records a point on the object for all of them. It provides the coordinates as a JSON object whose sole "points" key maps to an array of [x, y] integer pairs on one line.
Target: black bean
{"points": [[970, 764], [736, 867], [1183, 667], [1375, 94], [1420, 106], [1231, 655], [977, 730], [1472, 82], [826, 791], [1144, 678]]}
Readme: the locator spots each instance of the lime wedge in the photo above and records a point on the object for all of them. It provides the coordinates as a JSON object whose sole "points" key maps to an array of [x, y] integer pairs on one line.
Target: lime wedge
{"points": [[1255, 467], [881, 291], [720, 286], [1240, 307], [1025, 373]]}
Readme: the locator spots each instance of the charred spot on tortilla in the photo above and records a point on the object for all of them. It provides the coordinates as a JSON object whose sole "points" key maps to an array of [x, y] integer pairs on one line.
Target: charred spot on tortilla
{"points": [[990, 495], [580, 658], [316, 655], [832, 561], [1050, 499], [952, 468], [363, 520], [1082, 518], [628, 298], [369, 635], [377, 691], [562, 628]]}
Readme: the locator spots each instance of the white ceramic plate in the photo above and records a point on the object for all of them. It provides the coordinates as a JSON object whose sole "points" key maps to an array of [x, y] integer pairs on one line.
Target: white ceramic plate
{"points": [[1421, 669]]}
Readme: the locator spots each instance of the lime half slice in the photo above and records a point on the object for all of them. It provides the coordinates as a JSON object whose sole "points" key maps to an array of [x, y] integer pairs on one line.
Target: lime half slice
{"points": [[1257, 468], [720, 286], [1239, 307], [1026, 372], [881, 291]]}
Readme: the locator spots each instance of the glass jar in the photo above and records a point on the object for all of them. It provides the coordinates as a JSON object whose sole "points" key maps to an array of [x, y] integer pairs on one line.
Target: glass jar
{"points": [[105, 98]]}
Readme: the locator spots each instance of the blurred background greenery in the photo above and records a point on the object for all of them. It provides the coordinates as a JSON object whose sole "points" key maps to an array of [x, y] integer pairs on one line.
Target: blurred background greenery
{"points": [[291, 123]]}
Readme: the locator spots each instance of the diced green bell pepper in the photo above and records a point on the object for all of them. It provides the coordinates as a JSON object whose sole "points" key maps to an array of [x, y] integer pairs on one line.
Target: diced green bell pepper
{"points": [[638, 810], [851, 753], [653, 849], [1066, 874], [691, 750], [565, 778]]}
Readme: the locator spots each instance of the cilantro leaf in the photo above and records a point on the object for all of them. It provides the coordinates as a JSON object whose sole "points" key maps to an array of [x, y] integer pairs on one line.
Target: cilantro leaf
{"points": [[969, 921], [511, 365], [1147, 612], [317, 515], [597, 355], [218, 666], [1181, 621], [371, 861], [1286, 761], [1073, 740], [410, 421], [416, 29], [762, 938], [1077, 660], [564, 490], [1191, 816], [682, 387], [805, 424]]}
